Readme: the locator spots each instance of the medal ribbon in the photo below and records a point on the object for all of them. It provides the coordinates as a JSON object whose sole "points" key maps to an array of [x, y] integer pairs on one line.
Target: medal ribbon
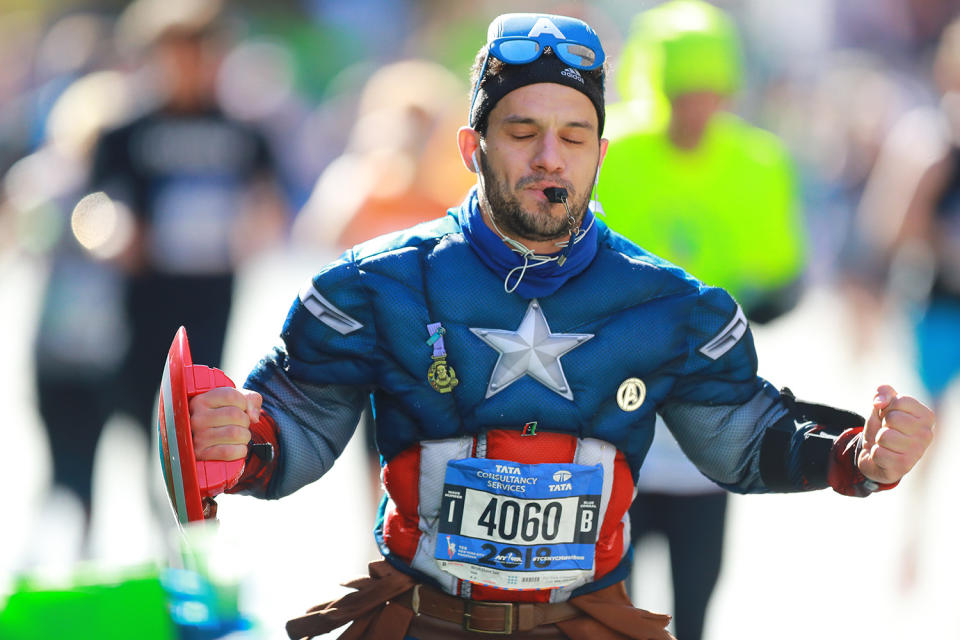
{"points": [[436, 339]]}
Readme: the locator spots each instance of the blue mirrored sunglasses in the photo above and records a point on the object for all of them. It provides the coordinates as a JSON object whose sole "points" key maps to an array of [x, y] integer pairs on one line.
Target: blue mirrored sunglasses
{"points": [[525, 49]]}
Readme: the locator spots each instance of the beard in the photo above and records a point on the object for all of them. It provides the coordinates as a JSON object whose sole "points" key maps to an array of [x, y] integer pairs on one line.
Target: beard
{"points": [[517, 222]]}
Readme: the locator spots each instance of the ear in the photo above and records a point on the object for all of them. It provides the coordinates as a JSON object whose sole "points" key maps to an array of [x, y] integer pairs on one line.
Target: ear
{"points": [[468, 140], [603, 152]]}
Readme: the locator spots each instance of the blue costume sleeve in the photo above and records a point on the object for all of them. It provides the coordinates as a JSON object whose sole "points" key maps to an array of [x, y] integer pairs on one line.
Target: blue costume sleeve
{"points": [[740, 431], [315, 384], [724, 440], [719, 409]]}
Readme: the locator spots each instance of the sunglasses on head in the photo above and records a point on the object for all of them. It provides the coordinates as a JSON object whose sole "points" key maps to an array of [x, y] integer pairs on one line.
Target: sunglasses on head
{"points": [[523, 49]]}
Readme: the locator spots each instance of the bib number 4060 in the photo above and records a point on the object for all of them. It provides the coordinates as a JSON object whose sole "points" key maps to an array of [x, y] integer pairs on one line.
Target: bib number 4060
{"points": [[502, 519], [507, 518]]}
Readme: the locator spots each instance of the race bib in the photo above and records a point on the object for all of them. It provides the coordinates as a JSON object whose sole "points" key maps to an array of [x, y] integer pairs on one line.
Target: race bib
{"points": [[519, 526]]}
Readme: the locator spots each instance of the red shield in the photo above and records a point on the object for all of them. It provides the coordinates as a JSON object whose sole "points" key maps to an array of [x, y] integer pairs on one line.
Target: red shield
{"points": [[188, 481]]}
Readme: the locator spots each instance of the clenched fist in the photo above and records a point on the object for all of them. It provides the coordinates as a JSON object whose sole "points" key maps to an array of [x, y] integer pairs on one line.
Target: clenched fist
{"points": [[898, 431], [221, 420]]}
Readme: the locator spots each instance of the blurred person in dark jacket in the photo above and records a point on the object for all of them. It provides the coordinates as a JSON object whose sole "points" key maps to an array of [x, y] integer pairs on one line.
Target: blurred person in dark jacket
{"points": [[201, 186], [175, 190]]}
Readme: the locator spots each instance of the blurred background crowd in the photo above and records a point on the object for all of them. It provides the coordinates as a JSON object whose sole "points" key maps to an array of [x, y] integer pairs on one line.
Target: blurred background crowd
{"points": [[225, 132]]}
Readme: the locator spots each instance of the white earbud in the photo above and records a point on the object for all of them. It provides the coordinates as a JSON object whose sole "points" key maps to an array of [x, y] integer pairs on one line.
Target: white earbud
{"points": [[594, 203]]}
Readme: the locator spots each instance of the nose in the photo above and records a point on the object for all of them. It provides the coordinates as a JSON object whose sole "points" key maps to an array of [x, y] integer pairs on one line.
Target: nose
{"points": [[548, 157]]}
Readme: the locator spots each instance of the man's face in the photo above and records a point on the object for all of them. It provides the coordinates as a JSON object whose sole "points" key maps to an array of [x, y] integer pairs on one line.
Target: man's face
{"points": [[691, 112], [538, 136], [189, 66]]}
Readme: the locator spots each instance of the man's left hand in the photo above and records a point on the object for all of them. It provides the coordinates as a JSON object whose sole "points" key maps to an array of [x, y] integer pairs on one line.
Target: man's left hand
{"points": [[898, 431]]}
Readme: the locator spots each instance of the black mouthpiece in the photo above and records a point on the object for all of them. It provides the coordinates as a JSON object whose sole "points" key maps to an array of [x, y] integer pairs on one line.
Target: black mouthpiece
{"points": [[555, 194]]}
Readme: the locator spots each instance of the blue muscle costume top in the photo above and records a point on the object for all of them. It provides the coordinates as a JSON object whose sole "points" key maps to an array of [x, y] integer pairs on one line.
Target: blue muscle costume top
{"points": [[363, 325]]}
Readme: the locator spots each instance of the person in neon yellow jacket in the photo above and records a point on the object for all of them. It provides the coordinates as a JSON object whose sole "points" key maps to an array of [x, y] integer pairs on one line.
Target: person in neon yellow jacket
{"points": [[695, 184], [691, 182]]}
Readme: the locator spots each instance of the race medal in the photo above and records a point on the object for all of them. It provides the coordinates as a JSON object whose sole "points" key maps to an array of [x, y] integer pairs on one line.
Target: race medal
{"points": [[519, 526], [440, 375]]}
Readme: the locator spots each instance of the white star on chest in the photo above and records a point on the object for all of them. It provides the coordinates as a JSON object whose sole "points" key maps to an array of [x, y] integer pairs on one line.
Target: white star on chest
{"points": [[530, 350]]}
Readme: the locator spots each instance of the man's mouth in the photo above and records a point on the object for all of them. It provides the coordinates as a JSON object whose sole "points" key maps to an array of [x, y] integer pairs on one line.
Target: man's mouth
{"points": [[538, 190]]}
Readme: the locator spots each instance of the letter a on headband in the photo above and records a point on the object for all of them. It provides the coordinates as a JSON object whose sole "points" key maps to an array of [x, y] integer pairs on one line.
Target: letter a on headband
{"points": [[545, 25]]}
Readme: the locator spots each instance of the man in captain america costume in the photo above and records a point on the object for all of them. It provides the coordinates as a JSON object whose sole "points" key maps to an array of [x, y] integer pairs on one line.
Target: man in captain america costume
{"points": [[518, 351]]}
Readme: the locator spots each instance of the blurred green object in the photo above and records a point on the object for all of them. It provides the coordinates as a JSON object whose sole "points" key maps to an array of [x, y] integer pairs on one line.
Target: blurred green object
{"points": [[691, 45], [726, 211], [134, 605], [146, 603]]}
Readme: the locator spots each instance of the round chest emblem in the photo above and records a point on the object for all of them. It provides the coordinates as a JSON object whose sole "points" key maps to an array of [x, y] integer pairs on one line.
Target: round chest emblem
{"points": [[631, 394]]}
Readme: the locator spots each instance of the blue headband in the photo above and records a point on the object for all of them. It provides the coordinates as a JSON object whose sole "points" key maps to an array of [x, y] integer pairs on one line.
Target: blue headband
{"points": [[520, 40]]}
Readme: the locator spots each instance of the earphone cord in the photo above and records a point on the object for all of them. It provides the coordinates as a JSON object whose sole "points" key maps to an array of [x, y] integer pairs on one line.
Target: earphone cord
{"points": [[526, 253], [532, 259]]}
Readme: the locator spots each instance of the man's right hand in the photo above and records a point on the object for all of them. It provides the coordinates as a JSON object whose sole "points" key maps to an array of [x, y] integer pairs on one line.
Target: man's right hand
{"points": [[220, 420]]}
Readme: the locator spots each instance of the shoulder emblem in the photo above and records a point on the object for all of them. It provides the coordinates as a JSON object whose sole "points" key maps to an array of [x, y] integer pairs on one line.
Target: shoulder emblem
{"points": [[727, 338], [325, 311]]}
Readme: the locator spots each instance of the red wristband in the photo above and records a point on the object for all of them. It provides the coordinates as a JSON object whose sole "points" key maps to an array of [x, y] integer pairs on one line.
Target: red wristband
{"points": [[843, 474]]}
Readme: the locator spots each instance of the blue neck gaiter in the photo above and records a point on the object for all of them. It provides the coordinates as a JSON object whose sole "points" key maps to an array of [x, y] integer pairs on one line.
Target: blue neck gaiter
{"points": [[538, 279]]}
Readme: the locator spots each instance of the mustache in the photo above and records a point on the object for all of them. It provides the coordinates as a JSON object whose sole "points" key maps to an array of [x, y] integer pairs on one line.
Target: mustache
{"points": [[528, 180]]}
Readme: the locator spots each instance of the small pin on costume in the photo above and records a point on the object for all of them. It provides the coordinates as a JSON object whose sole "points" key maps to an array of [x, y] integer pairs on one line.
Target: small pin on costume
{"points": [[631, 394], [441, 376]]}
